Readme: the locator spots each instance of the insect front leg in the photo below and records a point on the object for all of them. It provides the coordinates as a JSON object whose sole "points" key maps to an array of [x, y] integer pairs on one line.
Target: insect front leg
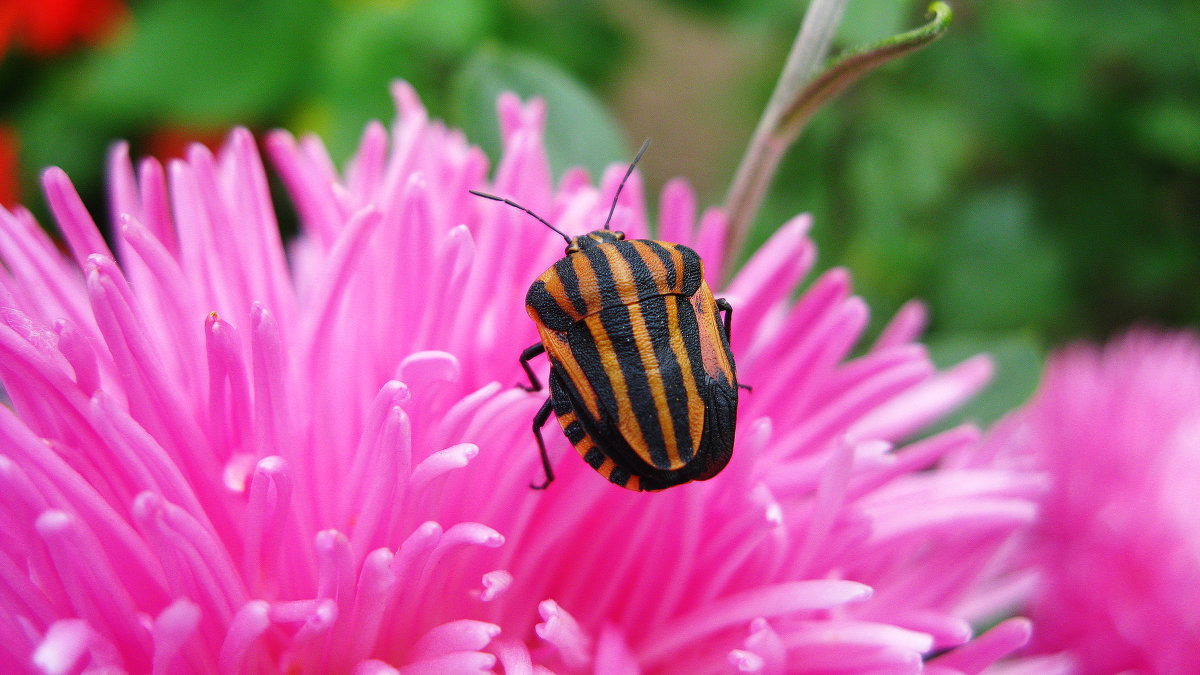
{"points": [[724, 306], [534, 383], [539, 421]]}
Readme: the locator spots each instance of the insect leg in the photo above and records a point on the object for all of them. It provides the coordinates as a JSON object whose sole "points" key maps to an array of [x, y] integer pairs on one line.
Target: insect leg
{"points": [[539, 421], [724, 306], [529, 353]]}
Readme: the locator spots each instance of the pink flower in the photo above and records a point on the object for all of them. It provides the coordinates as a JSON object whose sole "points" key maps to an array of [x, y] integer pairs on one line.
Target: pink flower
{"points": [[1117, 543], [223, 458]]}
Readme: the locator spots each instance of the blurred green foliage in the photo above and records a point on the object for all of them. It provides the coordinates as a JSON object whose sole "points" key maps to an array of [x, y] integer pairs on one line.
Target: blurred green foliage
{"points": [[1034, 176]]}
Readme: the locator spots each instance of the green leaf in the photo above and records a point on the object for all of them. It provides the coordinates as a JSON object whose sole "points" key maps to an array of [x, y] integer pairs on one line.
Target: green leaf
{"points": [[847, 68], [1172, 129], [368, 45], [579, 130], [998, 272], [206, 63]]}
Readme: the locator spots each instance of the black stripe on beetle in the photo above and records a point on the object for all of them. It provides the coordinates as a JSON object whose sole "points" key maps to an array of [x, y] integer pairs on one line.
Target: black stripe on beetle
{"points": [[642, 379]]}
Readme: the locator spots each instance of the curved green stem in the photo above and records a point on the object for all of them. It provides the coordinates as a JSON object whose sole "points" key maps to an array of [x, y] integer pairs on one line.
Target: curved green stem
{"points": [[801, 91]]}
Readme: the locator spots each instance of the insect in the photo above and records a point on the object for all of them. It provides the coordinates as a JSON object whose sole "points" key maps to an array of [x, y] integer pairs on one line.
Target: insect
{"points": [[642, 379]]}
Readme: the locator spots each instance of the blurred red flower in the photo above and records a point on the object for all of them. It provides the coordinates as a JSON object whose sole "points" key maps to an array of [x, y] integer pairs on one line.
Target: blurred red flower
{"points": [[9, 181], [48, 27]]}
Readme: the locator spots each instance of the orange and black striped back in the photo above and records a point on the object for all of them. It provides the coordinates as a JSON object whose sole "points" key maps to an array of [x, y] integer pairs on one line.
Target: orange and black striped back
{"points": [[632, 332]]}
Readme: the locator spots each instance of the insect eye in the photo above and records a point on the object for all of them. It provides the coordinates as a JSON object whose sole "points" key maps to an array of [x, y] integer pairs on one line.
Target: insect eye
{"points": [[619, 235]]}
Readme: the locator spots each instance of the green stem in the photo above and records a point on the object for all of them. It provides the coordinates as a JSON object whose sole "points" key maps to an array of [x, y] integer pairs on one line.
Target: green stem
{"points": [[801, 90]]}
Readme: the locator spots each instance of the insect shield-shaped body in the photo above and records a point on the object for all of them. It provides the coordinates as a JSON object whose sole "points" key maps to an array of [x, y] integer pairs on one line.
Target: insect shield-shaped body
{"points": [[642, 379]]}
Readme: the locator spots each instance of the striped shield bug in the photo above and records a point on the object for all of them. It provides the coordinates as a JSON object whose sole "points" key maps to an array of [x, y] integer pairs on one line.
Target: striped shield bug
{"points": [[642, 379]]}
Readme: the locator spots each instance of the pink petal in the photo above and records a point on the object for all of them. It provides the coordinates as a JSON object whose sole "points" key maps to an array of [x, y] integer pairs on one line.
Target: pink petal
{"points": [[250, 622], [173, 627], [319, 213], [561, 630], [197, 566], [495, 583], [374, 667], [613, 656], [929, 402], [376, 582], [764, 601], [458, 663], [442, 461], [335, 566], [764, 650], [513, 656], [123, 194], [266, 518], [677, 211], [77, 225], [95, 591], [455, 636], [906, 326], [65, 643], [1003, 639], [156, 211]]}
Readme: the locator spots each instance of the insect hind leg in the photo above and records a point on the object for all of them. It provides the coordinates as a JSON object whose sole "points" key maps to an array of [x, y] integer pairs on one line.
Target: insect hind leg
{"points": [[539, 421]]}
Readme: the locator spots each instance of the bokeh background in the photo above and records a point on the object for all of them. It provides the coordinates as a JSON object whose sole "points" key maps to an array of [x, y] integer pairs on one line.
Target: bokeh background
{"points": [[1034, 176]]}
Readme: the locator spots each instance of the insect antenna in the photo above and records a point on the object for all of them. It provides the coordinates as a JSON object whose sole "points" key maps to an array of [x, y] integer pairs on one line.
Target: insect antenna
{"points": [[512, 203], [613, 208]]}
